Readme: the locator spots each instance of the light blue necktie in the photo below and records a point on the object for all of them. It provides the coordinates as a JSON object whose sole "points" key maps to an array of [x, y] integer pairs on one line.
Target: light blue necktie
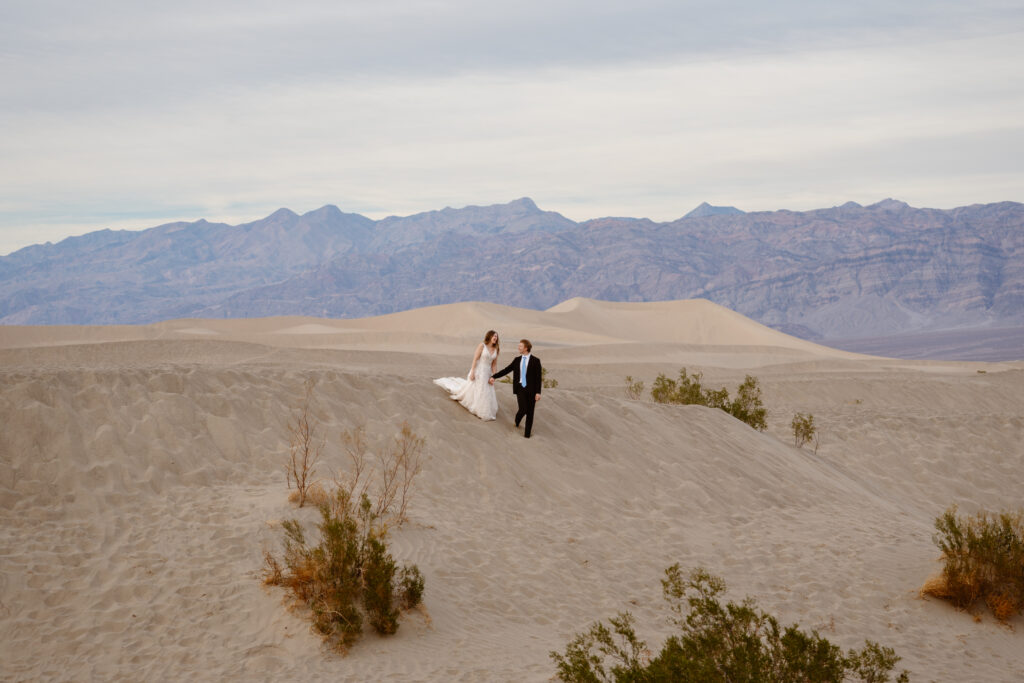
{"points": [[522, 372]]}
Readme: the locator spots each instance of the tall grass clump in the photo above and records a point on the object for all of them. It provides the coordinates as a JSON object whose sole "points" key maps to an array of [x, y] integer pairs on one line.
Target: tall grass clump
{"points": [[747, 405], [983, 560], [716, 643]]}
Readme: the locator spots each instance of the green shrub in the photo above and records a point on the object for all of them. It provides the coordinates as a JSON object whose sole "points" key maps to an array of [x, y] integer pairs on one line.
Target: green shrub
{"points": [[983, 559], [349, 573], [378, 587], [716, 642], [803, 429], [411, 587], [747, 406], [688, 390]]}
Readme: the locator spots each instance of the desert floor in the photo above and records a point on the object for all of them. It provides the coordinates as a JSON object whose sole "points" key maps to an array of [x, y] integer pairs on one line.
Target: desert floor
{"points": [[142, 479]]}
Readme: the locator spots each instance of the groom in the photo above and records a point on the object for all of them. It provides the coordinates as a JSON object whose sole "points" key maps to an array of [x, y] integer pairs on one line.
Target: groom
{"points": [[526, 382]]}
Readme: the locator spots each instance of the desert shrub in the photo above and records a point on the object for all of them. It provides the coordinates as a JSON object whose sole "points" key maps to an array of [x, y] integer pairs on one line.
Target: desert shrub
{"points": [[689, 390], [634, 388], [983, 560], [305, 445], [316, 495], [803, 429], [716, 642], [388, 476], [378, 587], [411, 587], [747, 406], [347, 576]]}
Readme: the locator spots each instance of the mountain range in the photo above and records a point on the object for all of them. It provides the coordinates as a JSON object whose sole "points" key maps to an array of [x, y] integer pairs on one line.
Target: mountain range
{"points": [[843, 272]]}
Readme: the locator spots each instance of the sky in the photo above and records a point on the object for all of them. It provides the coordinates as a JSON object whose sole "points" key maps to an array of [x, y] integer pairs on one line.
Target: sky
{"points": [[127, 115]]}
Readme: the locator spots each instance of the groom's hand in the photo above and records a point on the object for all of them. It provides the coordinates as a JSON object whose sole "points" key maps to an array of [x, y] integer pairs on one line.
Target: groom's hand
{"points": [[537, 398], [490, 381]]}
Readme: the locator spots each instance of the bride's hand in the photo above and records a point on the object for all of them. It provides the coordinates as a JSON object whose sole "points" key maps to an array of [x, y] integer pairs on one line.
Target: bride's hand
{"points": [[472, 377]]}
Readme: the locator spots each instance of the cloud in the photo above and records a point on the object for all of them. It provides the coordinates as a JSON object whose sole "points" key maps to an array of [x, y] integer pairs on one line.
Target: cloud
{"points": [[232, 110], [97, 53]]}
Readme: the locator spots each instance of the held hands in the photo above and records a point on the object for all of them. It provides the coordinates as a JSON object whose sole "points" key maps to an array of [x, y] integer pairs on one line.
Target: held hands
{"points": [[490, 381]]}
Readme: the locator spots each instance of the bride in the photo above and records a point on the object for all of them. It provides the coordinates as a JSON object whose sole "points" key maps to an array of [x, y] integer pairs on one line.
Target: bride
{"points": [[474, 392]]}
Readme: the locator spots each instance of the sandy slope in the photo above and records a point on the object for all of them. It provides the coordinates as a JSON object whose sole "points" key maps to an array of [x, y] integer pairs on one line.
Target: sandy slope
{"points": [[141, 479]]}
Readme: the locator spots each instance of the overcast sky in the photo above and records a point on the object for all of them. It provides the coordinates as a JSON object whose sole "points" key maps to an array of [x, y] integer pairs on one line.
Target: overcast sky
{"points": [[128, 114]]}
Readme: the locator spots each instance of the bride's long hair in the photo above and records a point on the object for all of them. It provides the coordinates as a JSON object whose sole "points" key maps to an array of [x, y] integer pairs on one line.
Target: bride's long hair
{"points": [[487, 340]]}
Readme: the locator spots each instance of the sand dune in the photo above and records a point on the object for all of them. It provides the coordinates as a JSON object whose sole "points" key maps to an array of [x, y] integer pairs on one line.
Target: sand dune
{"points": [[141, 479], [442, 329]]}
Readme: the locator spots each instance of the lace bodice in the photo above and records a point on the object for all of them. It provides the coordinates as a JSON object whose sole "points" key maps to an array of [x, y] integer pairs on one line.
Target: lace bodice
{"points": [[483, 366]]}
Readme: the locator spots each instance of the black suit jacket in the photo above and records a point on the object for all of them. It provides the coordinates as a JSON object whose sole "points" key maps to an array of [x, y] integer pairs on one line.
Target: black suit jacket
{"points": [[533, 375]]}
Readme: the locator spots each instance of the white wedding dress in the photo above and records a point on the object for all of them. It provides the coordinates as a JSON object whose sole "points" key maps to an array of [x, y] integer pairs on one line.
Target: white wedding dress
{"points": [[476, 395]]}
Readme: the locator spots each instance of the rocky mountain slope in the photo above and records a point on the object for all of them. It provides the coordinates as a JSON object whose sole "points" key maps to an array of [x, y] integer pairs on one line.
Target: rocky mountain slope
{"points": [[847, 271]]}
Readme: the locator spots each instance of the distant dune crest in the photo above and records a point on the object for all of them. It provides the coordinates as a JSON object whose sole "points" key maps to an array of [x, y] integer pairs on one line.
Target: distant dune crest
{"points": [[453, 328]]}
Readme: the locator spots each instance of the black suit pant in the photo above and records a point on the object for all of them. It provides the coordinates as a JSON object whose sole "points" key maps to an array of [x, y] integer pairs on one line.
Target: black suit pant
{"points": [[527, 401]]}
